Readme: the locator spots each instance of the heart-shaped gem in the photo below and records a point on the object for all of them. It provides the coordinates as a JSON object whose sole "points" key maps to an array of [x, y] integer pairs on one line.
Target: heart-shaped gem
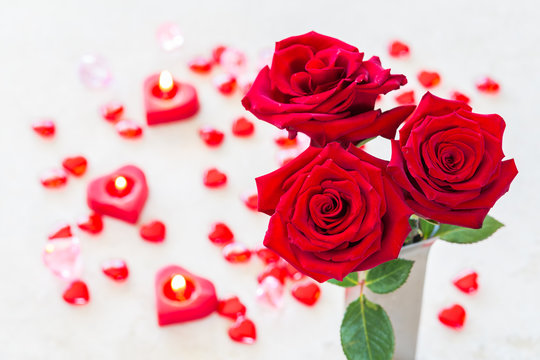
{"points": [[453, 317], [76, 293], [200, 64], [62, 231], [121, 195], [231, 307], [429, 79], [116, 269], [214, 178], [398, 49], [112, 111], [198, 303], [275, 270], [266, 255], [405, 98], [92, 223], [128, 129], [270, 292], [44, 127], [236, 253], [182, 104], [54, 178], [467, 282], [306, 293], [243, 330], [251, 201], [221, 234], [75, 165], [488, 85], [154, 231], [225, 83], [242, 127], [61, 256], [211, 136]]}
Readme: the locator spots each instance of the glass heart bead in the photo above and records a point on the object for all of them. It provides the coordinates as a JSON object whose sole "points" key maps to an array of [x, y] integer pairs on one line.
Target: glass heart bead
{"points": [[398, 49], [243, 331], [112, 111], [92, 223], [62, 231], [44, 127], [266, 255], [270, 292], [213, 178], [94, 71], [231, 307], [54, 178], [291, 271], [242, 127], [212, 137], [128, 129], [153, 231], [458, 96], [220, 234], [282, 140], [467, 282], [488, 85], [236, 253], [115, 269], [453, 316], [62, 257], [200, 65], [217, 52], [307, 293], [76, 293], [169, 36], [275, 270], [233, 61], [225, 83], [405, 98], [429, 79], [75, 165], [251, 201]]}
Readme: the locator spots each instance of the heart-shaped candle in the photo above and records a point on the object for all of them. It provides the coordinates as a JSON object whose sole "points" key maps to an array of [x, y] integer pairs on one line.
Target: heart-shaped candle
{"points": [[168, 100], [121, 194], [182, 296]]}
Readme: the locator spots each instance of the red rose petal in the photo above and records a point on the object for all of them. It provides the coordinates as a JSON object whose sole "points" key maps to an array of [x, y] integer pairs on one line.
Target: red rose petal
{"points": [[154, 231], [467, 282], [429, 79], [458, 96], [275, 270], [116, 269], [306, 293], [243, 330], [225, 83], [231, 307], [92, 224], [488, 85], [266, 255], [398, 49], [211, 136], [75, 165], [453, 317], [242, 127], [251, 201], [200, 65], [217, 52], [63, 231], [54, 178], [112, 111], [128, 129], [44, 127], [405, 98], [236, 253], [221, 234], [214, 178], [76, 293]]}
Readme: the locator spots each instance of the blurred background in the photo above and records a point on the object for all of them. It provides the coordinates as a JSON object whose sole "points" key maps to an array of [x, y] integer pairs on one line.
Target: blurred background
{"points": [[41, 46]]}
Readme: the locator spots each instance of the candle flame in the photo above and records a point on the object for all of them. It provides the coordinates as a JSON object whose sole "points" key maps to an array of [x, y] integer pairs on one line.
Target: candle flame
{"points": [[120, 183], [178, 282], [49, 248], [165, 81]]}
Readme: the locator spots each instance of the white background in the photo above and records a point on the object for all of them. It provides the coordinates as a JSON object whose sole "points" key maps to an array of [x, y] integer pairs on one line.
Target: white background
{"points": [[40, 45]]}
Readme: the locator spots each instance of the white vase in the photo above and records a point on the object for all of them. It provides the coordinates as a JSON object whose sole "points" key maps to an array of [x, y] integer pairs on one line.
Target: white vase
{"points": [[404, 305]]}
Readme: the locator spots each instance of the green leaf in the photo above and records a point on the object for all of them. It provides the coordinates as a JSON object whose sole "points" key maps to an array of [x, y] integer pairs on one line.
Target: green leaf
{"points": [[348, 281], [366, 332], [427, 227], [462, 235], [365, 141], [388, 276]]}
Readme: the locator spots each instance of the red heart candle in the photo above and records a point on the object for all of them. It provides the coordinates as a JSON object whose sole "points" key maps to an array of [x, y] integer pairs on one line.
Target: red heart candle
{"points": [[121, 194], [168, 100], [182, 296]]}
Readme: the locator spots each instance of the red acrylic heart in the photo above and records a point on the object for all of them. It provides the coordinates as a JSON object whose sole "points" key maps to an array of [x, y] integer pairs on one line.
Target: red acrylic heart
{"points": [[154, 231], [126, 205], [242, 127], [453, 317], [236, 253], [76, 293], [54, 178], [93, 223], [429, 79], [243, 330], [306, 293], [214, 178], [231, 307], [44, 127], [273, 269], [63, 231], [266, 255], [75, 165], [211, 136], [128, 129], [467, 282], [112, 111], [220, 234], [115, 269]]}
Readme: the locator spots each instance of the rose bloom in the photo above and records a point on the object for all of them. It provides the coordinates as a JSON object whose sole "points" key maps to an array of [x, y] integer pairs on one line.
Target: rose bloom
{"points": [[333, 211], [322, 87], [448, 161]]}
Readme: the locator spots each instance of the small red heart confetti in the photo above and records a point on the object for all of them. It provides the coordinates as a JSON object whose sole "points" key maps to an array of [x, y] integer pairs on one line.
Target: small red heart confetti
{"points": [[243, 331], [242, 127], [128, 129], [251, 201], [154, 231], [429, 79], [282, 140], [306, 293], [488, 85], [76, 293], [217, 52], [200, 65], [275, 270], [458, 96], [63, 231], [116, 269], [93, 223], [236, 253], [211, 136], [266, 255], [231, 307], [54, 178], [467, 282], [221, 234], [398, 49], [112, 111], [225, 83], [214, 178], [453, 316], [405, 98], [44, 127], [75, 165]]}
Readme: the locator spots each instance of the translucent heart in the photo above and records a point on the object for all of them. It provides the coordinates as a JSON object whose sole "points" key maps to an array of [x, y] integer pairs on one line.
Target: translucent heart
{"points": [[270, 292], [169, 36], [62, 257], [94, 71]]}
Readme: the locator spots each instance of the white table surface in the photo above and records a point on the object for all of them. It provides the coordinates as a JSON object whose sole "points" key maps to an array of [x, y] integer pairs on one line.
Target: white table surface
{"points": [[40, 45]]}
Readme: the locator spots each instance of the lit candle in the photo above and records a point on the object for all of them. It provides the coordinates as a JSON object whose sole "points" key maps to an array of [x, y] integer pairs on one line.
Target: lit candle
{"points": [[119, 185], [168, 100], [182, 296]]}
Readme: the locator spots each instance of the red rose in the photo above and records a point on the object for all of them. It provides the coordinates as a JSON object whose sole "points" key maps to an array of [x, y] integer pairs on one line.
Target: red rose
{"points": [[321, 86], [333, 211], [448, 160]]}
